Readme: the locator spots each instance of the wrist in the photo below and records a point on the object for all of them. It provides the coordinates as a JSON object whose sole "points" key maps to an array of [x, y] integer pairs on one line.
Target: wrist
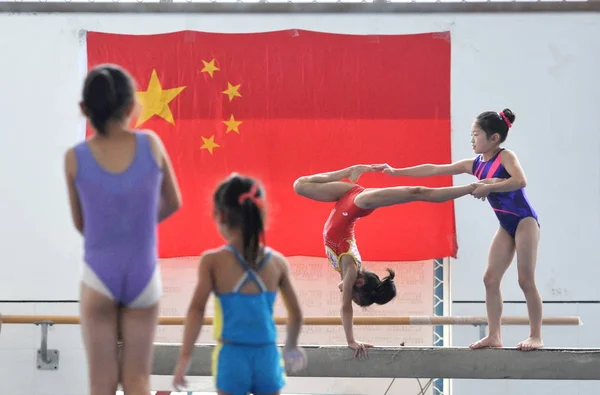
{"points": [[290, 345], [185, 357]]}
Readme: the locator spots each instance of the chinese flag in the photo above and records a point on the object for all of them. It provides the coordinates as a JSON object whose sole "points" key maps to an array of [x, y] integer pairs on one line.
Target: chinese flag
{"points": [[283, 104]]}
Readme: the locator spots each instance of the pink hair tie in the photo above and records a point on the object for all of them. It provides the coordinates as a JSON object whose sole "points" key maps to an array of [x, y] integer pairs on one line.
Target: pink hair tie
{"points": [[505, 119], [251, 194]]}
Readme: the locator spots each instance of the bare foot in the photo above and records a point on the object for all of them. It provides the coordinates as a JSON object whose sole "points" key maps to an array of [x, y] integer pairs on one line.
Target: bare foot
{"points": [[486, 342], [531, 343], [357, 171]]}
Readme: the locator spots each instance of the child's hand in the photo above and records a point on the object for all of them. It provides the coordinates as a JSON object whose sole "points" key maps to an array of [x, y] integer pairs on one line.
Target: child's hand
{"points": [[481, 191], [384, 168], [360, 349], [295, 359], [179, 381]]}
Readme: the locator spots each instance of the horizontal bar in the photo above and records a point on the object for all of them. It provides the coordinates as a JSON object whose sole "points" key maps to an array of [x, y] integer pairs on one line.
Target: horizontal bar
{"points": [[317, 321], [310, 8], [418, 362]]}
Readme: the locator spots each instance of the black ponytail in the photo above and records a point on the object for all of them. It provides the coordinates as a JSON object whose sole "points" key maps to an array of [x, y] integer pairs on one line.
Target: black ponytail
{"points": [[252, 230], [107, 93], [386, 289], [374, 290], [240, 201]]}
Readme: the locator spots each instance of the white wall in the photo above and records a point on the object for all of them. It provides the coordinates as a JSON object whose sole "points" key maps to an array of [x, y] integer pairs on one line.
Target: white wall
{"points": [[544, 67]]}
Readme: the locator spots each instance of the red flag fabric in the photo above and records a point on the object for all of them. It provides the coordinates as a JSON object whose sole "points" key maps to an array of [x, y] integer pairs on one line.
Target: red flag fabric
{"points": [[283, 104]]}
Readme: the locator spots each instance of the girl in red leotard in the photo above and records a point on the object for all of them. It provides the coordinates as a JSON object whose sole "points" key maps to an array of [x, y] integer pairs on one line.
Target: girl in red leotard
{"points": [[353, 202]]}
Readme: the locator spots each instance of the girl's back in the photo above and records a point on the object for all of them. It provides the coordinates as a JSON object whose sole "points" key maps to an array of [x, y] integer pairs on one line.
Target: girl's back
{"points": [[118, 181], [245, 277], [245, 296]]}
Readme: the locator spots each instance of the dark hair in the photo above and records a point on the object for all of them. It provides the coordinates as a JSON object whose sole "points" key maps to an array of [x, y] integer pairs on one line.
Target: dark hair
{"points": [[374, 290], [107, 92], [240, 200], [492, 122]]}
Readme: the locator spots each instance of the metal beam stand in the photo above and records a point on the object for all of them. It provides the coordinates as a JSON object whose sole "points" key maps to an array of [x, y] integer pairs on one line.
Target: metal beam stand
{"points": [[46, 359]]}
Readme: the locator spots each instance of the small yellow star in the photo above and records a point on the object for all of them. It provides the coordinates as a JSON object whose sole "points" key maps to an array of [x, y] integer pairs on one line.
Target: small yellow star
{"points": [[232, 125], [209, 144], [209, 67], [232, 91], [155, 101]]}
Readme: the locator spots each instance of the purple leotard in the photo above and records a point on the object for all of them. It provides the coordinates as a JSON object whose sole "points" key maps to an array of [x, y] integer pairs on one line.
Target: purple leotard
{"points": [[510, 207], [120, 215]]}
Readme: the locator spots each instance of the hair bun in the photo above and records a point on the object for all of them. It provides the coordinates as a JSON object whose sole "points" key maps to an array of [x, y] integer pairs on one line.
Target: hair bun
{"points": [[509, 115], [391, 276]]}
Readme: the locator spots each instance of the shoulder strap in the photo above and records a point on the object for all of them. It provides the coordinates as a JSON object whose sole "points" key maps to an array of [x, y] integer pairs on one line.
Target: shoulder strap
{"points": [[495, 165], [476, 165], [261, 264], [84, 158], [239, 257], [143, 147], [250, 274]]}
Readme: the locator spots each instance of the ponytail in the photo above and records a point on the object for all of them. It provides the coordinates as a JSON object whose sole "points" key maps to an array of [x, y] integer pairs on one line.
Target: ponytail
{"points": [[252, 230], [107, 93], [386, 289], [240, 200], [101, 104], [374, 290]]}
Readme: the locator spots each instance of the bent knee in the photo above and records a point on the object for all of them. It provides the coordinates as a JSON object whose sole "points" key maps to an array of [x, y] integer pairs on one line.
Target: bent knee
{"points": [[492, 280], [300, 186], [527, 283], [418, 191]]}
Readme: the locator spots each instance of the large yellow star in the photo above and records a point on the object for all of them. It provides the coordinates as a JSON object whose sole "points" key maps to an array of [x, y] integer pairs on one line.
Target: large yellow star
{"points": [[155, 101], [232, 91], [209, 67], [209, 143], [232, 125]]}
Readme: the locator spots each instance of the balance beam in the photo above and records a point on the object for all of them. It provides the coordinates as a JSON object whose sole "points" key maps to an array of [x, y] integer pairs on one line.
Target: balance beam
{"points": [[418, 362]]}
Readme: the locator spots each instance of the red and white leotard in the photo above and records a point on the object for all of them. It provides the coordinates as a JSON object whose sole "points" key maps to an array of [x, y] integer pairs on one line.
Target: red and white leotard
{"points": [[338, 232]]}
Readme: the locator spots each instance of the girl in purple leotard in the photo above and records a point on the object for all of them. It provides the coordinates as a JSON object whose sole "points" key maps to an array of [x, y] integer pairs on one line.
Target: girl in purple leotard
{"points": [[120, 186], [503, 185]]}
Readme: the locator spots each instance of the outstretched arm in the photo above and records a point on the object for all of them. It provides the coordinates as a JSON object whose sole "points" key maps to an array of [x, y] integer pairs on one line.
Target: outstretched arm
{"points": [[428, 170], [329, 187], [347, 313]]}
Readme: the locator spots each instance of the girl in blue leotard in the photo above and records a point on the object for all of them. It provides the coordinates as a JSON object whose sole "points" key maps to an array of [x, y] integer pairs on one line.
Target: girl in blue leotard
{"points": [[245, 276], [503, 186]]}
